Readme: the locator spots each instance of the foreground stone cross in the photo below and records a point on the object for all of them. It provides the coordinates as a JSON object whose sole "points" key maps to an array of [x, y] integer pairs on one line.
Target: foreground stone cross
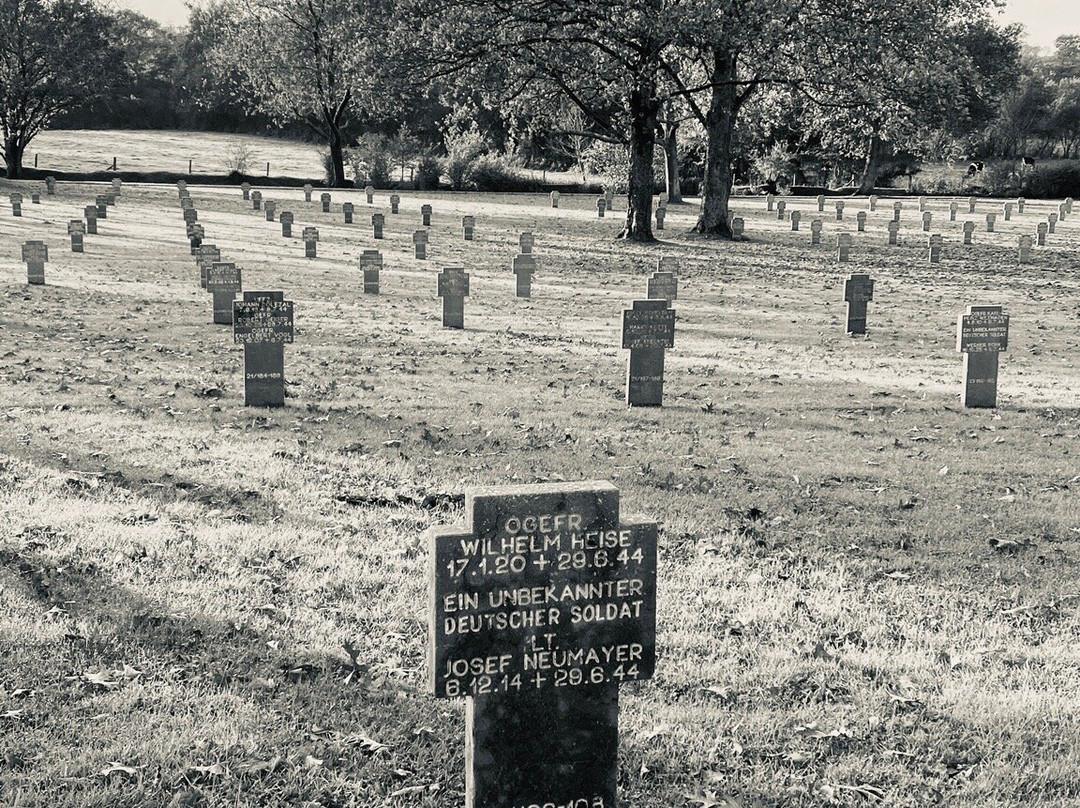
{"points": [[858, 291], [263, 324], [453, 289], [35, 254], [76, 229], [311, 238], [539, 608], [371, 264], [981, 334], [223, 282], [524, 265], [286, 219], [663, 285], [648, 331]]}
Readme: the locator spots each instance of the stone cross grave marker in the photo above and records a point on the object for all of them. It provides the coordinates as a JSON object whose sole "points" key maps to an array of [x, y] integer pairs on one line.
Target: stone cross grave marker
{"points": [[90, 214], [270, 206], [860, 221], [190, 215], [35, 254], [873, 200], [223, 282], [601, 206], [256, 200], [286, 219], [526, 242], [369, 193], [102, 208], [206, 256], [453, 289], [110, 199], [894, 232], [858, 291], [554, 199], [195, 234], [770, 201], [76, 229], [796, 217], [661, 213], [325, 199], [347, 209], [16, 200], [738, 227], [1068, 205], [1020, 203], [922, 204], [1007, 209], [662, 285], [927, 217], [395, 203], [1051, 222], [981, 334], [468, 227], [648, 330], [953, 207], [609, 197], [969, 232], [1025, 249], [843, 246], [50, 185], [971, 204], [263, 324], [181, 185], [371, 263], [307, 192], [1063, 212], [821, 203], [186, 203], [117, 184], [523, 266], [541, 671], [840, 210], [311, 238], [245, 187], [1040, 230], [815, 231], [378, 220], [781, 207], [934, 245], [990, 219], [419, 239], [425, 215], [896, 208]]}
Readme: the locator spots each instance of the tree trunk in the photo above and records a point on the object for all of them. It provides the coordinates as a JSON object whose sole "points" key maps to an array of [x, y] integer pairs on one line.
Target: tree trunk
{"points": [[643, 111], [719, 134], [337, 159], [875, 157], [670, 131], [13, 157]]}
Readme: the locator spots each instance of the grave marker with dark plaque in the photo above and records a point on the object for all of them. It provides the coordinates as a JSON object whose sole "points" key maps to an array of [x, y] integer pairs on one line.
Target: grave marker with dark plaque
{"points": [[661, 213], [419, 239], [186, 202], [969, 232], [223, 282], [648, 330], [347, 210], [601, 206], [927, 217], [524, 265], [90, 214], [395, 203], [1051, 222], [325, 199], [263, 324], [770, 201], [76, 229], [286, 219], [894, 233], [781, 210], [35, 198], [206, 256], [873, 200], [16, 204], [858, 291], [453, 289], [663, 286], [981, 334], [821, 202], [1006, 210], [860, 221], [311, 238], [256, 200], [953, 208], [35, 254], [538, 609], [425, 215], [371, 263], [815, 231], [971, 204], [796, 220], [270, 206], [990, 219], [1025, 249], [1020, 203], [1040, 231], [378, 221]]}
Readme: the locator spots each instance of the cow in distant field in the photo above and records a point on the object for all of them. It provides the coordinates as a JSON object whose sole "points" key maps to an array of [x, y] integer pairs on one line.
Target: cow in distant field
{"points": [[974, 167]]}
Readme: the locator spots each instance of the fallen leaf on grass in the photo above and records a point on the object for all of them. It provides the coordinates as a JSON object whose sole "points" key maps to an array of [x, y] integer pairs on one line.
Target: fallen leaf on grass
{"points": [[12, 715], [312, 762], [812, 730], [401, 792], [708, 799], [364, 743], [195, 773], [1008, 546], [103, 679], [118, 768], [259, 767]]}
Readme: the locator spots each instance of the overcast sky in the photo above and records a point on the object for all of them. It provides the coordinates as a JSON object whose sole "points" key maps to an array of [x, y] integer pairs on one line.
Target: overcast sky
{"points": [[1045, 19]]}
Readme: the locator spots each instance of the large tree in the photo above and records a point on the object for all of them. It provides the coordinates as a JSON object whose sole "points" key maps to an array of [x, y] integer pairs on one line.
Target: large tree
{"points": [[53, 56], [322, 63]]}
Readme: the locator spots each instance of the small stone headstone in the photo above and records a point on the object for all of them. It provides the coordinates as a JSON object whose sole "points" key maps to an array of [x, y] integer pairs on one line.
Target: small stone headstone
{"points": [[110, 199], [256, 200], [347, 211], [526, 242], [953, 208], [1040, 231], [190, 215], [781, 208], [395, 203], [286, 219], [50, 185], [263, 324], [468, 227], [554, 199], [796, 218], [1068, 205], [1020, 203], [35, 198], [648, 330], [523, 267], [873, 202], [90, 214], [821, 203], [420, 239], [934, 245], [425, 215], [1025, 249], [858, 291], [860, 221], [453, 289], [969, 232], [195, 234], [16, 204], [223, 282], [922, 204], [325, 199], [1062, 212], [186, 203], [971, 204], [307, 192], [738, 227], [990, 219], [377, 222], [245, 187], [894, 232], [35, 254], [896, 208], [927, 217], [1007, 209], [76, 229], [371, 263], [840, 210], [663, 285], [601, 206], [102, 208], [369, 193], [815, 231], [270, 206], [770, 201], [609, 197], [206, 256], [981, 334], [181, 185], [311, 238], [1051, 222], [843, 246], [660, 214], [117, 184]]}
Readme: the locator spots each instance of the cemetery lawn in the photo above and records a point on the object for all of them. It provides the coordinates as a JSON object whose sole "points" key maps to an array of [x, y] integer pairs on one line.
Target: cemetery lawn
{"points": [[867, 594]]}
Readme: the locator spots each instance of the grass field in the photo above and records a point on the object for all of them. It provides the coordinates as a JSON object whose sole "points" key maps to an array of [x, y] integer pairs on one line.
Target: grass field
{"points": [[867, 594]]}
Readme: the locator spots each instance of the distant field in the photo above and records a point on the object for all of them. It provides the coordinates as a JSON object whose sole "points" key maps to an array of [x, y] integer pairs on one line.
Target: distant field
{"points": [[82, 150]]}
